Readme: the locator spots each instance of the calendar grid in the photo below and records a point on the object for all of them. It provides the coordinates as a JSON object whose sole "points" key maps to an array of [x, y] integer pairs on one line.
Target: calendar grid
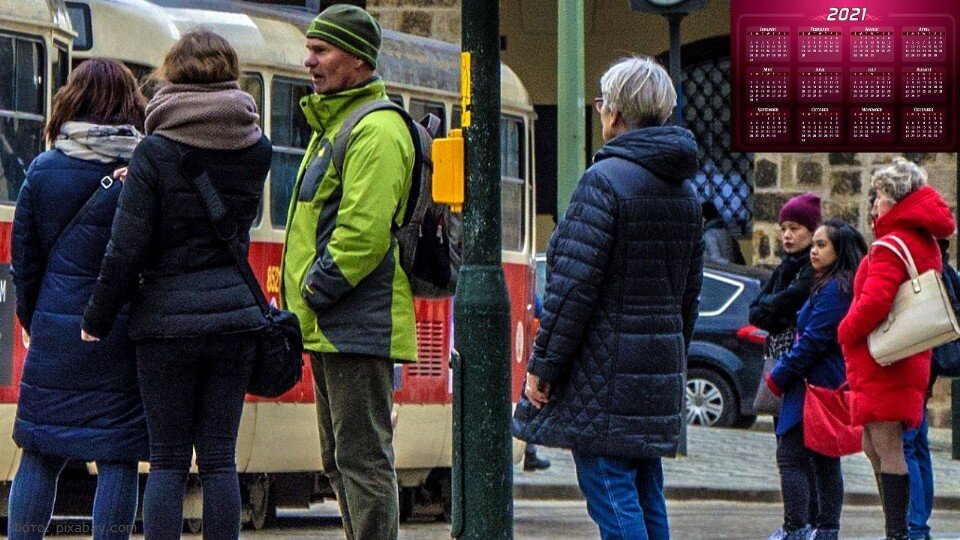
{"points": [[878, 77]]}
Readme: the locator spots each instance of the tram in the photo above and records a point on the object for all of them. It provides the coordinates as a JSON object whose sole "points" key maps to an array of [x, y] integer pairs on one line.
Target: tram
{"points": [[278, 446]]}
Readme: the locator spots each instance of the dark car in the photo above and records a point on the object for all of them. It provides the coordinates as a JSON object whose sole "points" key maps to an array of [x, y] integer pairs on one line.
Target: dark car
{"points": [[725, 362]]}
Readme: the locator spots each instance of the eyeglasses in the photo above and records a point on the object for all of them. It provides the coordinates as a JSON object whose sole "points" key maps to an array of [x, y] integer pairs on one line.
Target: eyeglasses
{"points": [[598, 104]]}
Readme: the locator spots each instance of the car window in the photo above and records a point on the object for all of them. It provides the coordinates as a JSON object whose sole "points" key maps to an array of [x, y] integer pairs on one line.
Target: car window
{"points": [[717, 294]]}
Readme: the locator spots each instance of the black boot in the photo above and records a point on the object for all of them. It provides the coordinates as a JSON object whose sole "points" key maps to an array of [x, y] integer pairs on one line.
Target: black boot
{"points": [[895, 494], [532, 462]]}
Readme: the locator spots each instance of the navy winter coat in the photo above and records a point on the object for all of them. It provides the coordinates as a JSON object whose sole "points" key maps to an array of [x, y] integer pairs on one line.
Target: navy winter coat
{"points": [[621, 302], [815, 355], [78, 400]]}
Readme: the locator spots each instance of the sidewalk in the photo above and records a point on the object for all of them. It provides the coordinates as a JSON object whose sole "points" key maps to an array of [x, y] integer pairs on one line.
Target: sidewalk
{"points": [[739, 465]]}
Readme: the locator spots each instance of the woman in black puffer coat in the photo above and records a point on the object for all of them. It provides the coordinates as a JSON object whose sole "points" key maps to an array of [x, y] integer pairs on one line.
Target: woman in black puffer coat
{"points": [[77, 400], [607, 374], [193, 317], [787, 290]]}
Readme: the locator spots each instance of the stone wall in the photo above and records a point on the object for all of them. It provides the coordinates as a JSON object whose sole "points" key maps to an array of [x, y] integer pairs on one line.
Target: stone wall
{"points": [[842, 180], [438, 19]]}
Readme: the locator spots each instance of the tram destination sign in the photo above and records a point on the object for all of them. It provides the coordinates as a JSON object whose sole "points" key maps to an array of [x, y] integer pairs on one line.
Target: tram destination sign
{"points": [[866, 75]]}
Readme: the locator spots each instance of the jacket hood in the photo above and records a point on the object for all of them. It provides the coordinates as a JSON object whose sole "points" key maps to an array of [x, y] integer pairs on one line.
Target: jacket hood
{"points": [[669, 152], [923, 209]]}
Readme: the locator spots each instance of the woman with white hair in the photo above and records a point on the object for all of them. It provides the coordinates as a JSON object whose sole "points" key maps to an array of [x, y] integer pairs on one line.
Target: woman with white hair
{"points": [[887, 399], [606, 375]]}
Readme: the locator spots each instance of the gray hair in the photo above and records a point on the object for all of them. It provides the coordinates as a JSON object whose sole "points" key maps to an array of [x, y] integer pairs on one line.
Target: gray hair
{"points": [[900, 179], [640, 90]]}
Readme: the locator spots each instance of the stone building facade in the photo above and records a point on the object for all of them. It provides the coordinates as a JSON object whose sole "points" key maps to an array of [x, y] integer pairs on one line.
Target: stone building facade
{"points": [[842, 181], [437, 19]]}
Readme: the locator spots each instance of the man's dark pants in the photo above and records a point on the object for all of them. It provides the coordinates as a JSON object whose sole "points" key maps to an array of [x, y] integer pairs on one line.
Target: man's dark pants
{"points": [[354, 406]]}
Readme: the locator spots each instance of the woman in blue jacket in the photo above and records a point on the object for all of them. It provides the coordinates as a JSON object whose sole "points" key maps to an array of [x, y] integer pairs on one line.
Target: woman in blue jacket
{"points": [[77, 400], [815, 357]]}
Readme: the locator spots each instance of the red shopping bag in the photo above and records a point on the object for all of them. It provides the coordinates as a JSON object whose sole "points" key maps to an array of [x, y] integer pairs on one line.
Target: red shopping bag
{"points": [[826, 422]]}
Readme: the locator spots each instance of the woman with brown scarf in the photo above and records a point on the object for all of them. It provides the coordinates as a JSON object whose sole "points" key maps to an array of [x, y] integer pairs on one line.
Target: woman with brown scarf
{"points": [[193, 317]]}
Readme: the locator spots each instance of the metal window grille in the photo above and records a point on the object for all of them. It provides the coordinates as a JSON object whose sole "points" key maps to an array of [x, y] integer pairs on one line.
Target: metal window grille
{"points": [[725, 177]]}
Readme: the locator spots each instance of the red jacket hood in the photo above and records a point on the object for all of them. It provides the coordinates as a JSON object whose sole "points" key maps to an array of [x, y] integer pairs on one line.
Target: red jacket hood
{"points": [[923, 209]]}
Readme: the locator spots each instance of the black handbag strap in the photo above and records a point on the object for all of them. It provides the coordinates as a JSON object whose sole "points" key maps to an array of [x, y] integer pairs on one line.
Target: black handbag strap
{"points": [[227, 232], [105, 183]]}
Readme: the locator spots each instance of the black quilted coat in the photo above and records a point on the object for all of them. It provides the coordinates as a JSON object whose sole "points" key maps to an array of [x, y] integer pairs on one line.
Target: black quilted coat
{"points": [[621, 301], [163, 252]]}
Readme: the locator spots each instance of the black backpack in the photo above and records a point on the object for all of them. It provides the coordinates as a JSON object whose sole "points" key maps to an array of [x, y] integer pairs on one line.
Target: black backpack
{"points": [[431, 248]]}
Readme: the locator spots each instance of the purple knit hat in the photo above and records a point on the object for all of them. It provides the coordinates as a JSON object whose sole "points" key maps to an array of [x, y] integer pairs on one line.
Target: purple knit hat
{"points": [[803, 209]]}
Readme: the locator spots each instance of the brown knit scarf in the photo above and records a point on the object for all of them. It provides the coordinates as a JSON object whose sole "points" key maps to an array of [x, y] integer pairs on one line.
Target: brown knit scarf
{"points": [[218, 116]]}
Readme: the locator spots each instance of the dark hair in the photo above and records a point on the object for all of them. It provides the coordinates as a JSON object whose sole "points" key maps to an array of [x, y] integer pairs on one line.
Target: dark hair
{"points": [[850, 248], [201, 56], [100, 91]]}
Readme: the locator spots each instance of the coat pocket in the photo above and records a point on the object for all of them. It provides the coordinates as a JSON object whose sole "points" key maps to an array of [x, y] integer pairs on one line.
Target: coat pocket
{"points": [[314, 173]]}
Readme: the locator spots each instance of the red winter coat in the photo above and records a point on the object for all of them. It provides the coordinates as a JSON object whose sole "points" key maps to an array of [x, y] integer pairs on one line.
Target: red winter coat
{"points": [[894, 393]]}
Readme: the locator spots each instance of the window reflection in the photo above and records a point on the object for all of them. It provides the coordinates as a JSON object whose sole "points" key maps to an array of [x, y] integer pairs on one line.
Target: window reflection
{"points": [[290, 134], [21, 111]]}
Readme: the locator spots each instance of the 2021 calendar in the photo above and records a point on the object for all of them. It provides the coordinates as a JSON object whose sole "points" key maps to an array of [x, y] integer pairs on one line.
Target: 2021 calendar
{"points": [[858, 76]]}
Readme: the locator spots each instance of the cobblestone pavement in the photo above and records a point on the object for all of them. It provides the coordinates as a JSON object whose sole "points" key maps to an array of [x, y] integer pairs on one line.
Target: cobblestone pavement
{"points": [[739, 465], [689, 520]]}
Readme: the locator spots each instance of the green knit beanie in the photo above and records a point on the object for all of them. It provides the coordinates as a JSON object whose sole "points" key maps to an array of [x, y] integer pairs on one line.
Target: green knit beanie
{"points": [[350, 28]]}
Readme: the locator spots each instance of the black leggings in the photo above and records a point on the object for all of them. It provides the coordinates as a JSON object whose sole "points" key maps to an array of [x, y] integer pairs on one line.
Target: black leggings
{"points": [[793, 460]]}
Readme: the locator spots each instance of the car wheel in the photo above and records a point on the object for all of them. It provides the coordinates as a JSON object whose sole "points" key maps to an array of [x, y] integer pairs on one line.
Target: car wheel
{"points": [[710, 400]]}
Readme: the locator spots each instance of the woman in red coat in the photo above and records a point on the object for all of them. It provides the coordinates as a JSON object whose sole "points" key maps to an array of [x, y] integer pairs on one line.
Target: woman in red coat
{"points": [[886, 399]]}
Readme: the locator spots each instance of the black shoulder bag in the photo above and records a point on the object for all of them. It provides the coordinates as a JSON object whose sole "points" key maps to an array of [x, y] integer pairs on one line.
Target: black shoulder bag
{"points": [[279, 362]]}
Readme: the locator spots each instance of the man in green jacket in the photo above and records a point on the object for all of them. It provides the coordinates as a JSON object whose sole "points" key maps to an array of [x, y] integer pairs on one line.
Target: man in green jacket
{"points": [[341, 270]]}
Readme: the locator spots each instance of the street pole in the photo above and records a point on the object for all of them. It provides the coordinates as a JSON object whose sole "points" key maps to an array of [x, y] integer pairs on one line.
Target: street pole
{"points": [[482, 502], [675, 69], [571, 125]]}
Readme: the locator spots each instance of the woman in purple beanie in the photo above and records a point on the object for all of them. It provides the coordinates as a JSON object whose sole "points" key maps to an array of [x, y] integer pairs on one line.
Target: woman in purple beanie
{"points": [[775, 309]]}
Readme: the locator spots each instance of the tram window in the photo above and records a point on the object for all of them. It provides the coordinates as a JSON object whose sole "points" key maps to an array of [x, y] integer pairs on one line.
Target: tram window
{"points": [[252, 83], [80, 20], [290, 134], [61, 69], [396, 98], [513, 184], [419, 109], [21, 111]]}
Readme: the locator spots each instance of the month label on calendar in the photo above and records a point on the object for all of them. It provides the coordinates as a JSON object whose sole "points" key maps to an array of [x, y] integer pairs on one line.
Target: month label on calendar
{"points": [[829, 76], [820, 43], [872, 124], [768, 43], [924, 85], [871, 44], [924, 44], [871, 85], [768, 85], [820, 124], [821, 85], [924, 124], [768, 124]]}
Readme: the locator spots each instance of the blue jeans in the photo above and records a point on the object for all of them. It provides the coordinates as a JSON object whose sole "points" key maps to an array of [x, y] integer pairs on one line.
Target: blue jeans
{"points": [[916, 450], [34, 492], [624, 496], [193, 390]]}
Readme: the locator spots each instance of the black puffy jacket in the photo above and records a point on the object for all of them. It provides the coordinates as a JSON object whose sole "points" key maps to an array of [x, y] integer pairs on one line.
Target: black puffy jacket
{"points": [[621, 302], [775, 309], [163, 251]]}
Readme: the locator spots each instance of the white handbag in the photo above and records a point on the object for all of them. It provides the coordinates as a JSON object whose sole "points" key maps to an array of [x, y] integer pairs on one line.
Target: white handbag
{"points": [[921, 317]]}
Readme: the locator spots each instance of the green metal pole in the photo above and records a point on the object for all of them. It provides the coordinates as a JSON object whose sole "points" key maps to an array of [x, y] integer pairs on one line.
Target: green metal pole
{"points": [[483, 464], [571, 128]]}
